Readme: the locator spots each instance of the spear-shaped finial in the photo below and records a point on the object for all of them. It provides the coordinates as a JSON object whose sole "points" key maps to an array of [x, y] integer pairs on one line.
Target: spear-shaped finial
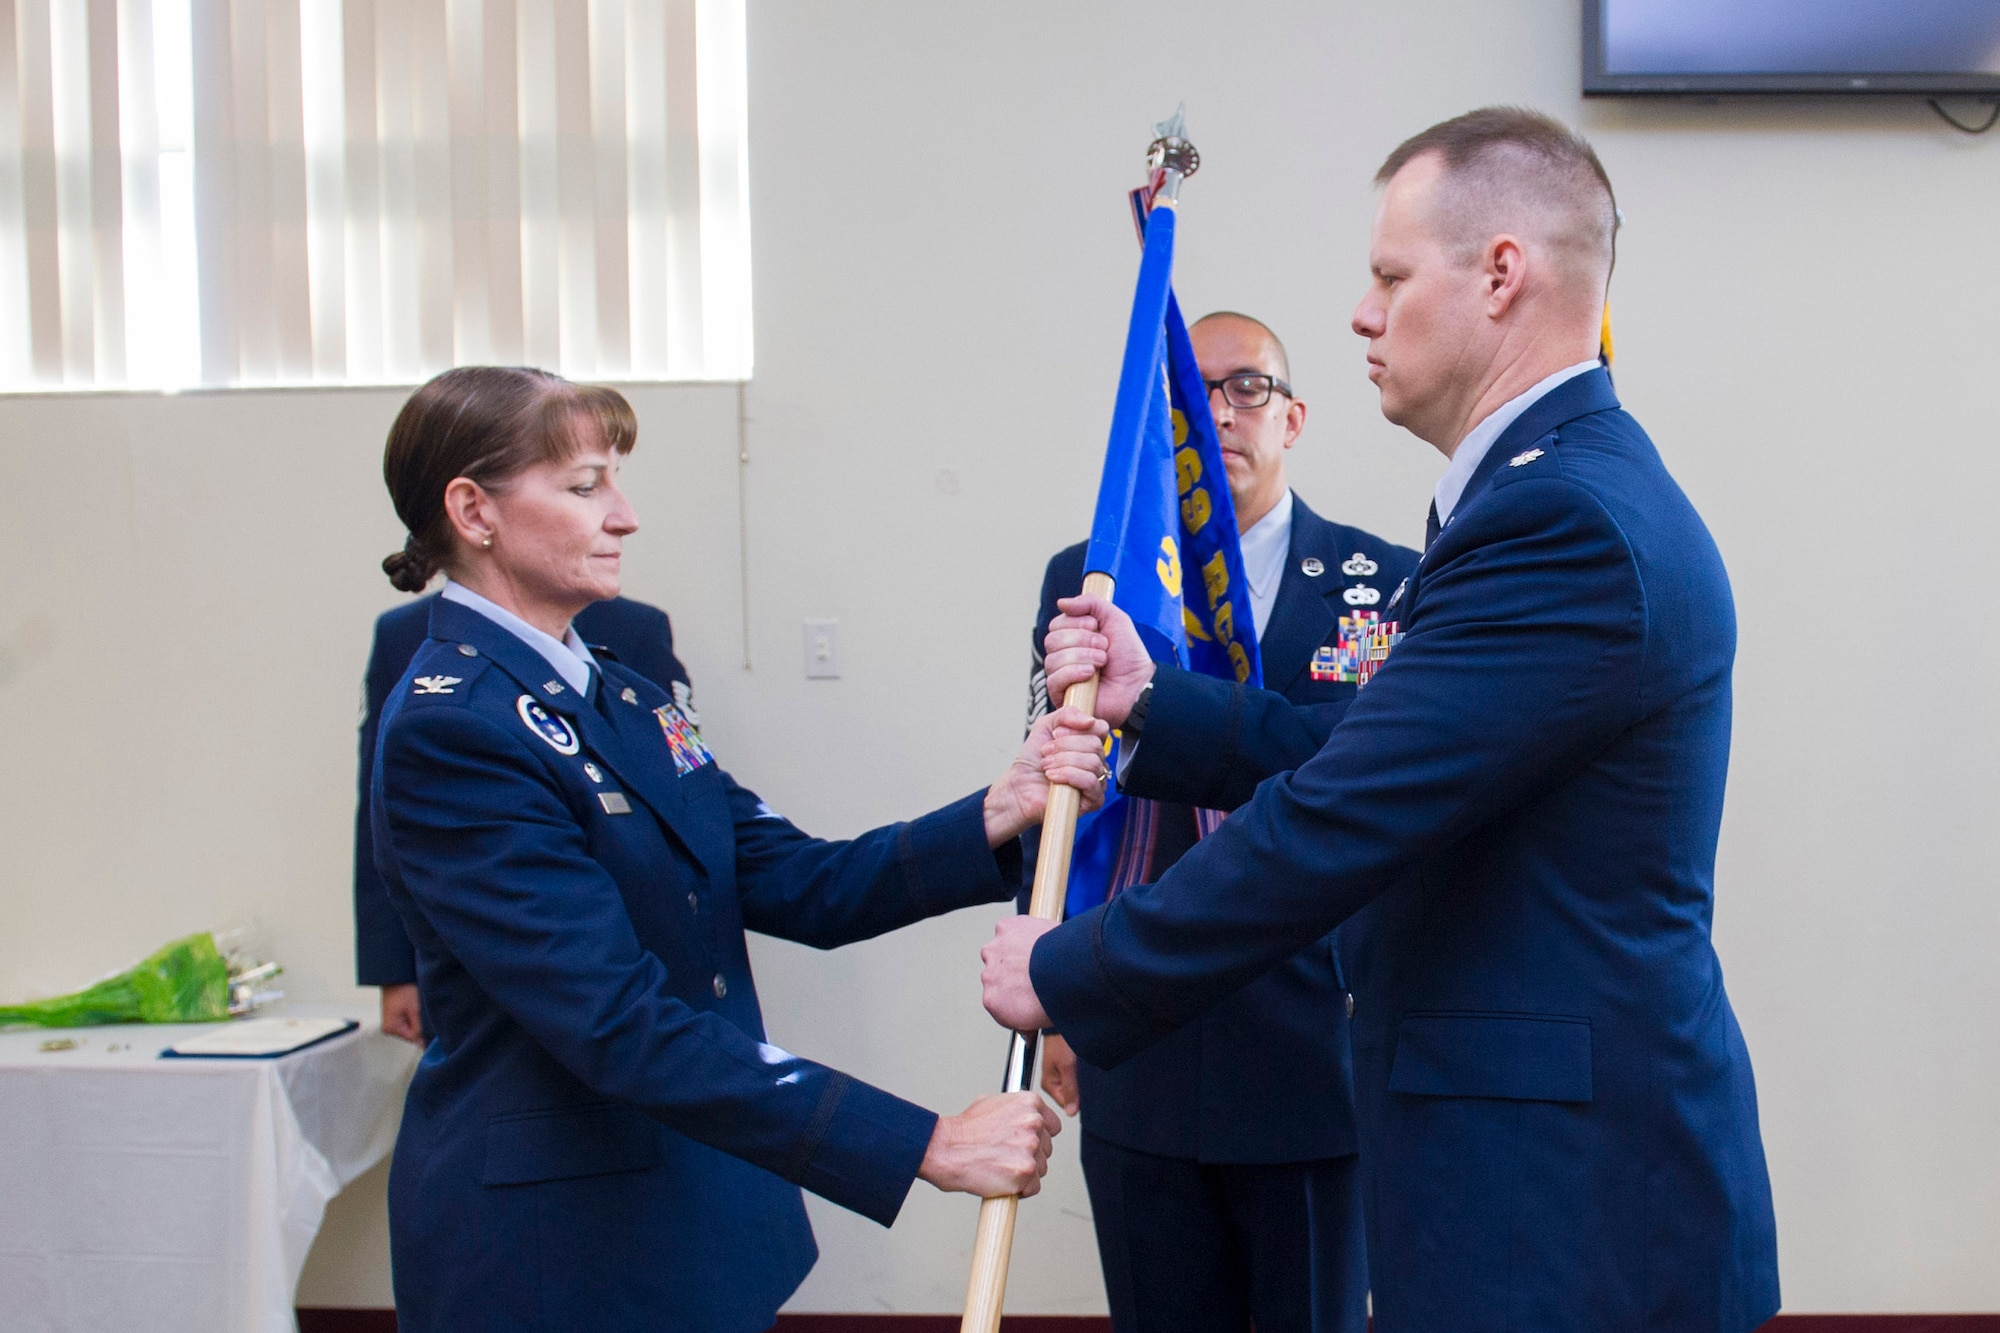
{"points": [[1170, 157]]}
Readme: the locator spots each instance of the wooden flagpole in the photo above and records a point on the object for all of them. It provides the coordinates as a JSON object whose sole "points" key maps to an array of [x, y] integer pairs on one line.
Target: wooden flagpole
{"points": [[993, 1246], [1170, 159]]}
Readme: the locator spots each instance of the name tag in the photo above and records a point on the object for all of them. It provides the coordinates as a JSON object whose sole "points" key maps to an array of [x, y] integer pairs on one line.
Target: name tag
{"points": [[614, 803]]}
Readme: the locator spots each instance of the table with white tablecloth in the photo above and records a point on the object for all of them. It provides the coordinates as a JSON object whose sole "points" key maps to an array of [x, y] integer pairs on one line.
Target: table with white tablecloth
{"points": [[166, 1194]]}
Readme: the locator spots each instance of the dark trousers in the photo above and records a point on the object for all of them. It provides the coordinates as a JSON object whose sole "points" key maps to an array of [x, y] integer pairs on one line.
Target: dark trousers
{"points": [[1192, 1247]]}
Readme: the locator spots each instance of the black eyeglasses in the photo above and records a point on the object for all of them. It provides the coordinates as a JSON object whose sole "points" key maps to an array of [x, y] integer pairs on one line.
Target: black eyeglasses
{"points": [[1248, 390]]}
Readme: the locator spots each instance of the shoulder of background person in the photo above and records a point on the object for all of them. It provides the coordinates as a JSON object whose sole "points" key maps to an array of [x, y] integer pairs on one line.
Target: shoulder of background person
{"points": [[627, 615], [640, 635], [1062, 578], [399, 632]]}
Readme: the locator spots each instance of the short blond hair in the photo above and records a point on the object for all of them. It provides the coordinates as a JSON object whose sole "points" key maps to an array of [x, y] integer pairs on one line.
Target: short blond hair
{"points": [[1507, 168]]}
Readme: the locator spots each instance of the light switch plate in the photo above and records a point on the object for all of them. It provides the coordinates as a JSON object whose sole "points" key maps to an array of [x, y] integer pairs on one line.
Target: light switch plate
{"points": [[822, 650]]}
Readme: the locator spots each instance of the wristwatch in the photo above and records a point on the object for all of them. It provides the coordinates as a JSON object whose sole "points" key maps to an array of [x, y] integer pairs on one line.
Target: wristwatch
{"points": [[1135, 721]]}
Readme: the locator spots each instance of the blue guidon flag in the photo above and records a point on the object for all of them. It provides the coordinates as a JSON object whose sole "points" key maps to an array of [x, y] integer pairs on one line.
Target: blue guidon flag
{"points": [[1165, 527]]}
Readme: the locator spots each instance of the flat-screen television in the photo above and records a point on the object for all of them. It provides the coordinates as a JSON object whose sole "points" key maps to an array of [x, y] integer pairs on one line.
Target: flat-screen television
{"points": [[1656, 47]]}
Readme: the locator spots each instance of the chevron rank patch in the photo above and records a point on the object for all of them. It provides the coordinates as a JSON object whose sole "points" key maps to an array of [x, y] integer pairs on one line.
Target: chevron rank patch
{"points": [[684, 700]]}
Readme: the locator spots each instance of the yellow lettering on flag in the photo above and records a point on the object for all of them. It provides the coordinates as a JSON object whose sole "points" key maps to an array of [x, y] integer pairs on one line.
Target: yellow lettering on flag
{"points": [[1194, 629], [1241, 661], [1195, 510], [1215, 578], [1187, 469], [1169, 565], [1225, 622], [1180, 428]]}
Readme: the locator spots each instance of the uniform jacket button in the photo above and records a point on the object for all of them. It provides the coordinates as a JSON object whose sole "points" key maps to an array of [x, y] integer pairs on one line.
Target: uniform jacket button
{"points": [[1350, 1004], [721, 986]]}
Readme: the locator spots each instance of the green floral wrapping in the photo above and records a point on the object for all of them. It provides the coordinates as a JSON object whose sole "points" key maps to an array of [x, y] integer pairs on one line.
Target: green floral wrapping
{"points": [[184, 982]]}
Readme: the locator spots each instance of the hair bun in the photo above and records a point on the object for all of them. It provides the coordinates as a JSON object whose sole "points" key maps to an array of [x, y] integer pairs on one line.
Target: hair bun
{"points": [[408, 568]]}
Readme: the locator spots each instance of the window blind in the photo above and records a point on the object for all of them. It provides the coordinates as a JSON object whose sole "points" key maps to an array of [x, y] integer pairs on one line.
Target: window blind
{"points": [[218, 193]]}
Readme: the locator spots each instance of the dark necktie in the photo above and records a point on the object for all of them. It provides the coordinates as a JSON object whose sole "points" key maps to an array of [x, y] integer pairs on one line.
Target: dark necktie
{"points": [[1431, 526], [595, 694]]}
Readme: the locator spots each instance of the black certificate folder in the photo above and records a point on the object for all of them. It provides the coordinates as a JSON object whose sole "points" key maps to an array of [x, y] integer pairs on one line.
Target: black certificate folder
{"points": [[258, 1038]]}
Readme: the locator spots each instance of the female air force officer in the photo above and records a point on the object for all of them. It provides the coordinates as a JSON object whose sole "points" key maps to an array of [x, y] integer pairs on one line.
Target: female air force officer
{"points": [[599, 1137]]}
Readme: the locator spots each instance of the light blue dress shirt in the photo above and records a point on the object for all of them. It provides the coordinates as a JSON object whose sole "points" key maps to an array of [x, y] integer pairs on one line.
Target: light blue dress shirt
{"points": [[1264, 549], [568, 656], [1465, 459]]}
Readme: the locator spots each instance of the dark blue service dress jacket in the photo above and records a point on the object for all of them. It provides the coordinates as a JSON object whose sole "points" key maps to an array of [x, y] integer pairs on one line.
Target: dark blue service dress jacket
{"points": [[599, 1135], [638, 636], [1558, 1120], [1266, 1075]]}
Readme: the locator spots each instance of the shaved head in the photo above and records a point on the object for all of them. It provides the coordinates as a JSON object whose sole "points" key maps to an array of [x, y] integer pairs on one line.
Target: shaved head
{"points": [[1284, 366], [1508, 170]]}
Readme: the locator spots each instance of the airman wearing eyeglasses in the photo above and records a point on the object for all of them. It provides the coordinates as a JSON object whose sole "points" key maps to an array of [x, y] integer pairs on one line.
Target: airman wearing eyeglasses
{"points": [[1220, 1162]]}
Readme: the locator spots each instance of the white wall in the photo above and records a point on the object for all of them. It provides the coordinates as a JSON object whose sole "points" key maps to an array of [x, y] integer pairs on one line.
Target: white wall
{"points": [[942, 263]]}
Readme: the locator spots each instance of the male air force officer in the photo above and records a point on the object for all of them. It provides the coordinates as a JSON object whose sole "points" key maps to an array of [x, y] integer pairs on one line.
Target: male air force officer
{"points": [[1220, 1162], [1558, 1123]]}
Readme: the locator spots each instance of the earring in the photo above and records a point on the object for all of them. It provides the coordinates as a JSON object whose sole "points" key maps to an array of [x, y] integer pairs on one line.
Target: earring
{"points": [[488, 543]]}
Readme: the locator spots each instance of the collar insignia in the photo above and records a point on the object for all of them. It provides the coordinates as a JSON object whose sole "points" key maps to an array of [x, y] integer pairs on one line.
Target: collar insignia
{"points": [[1523, 459]]}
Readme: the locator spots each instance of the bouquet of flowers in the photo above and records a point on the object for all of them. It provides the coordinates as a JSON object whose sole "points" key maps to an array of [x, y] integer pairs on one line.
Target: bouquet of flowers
{"points": [[187, 981]]}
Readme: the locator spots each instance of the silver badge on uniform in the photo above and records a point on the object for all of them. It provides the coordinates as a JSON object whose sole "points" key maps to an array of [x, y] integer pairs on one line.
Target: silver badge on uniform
{"points": [[1312, 567], [614, 803], [1523, 459], [629, 695], [593, 772], [546, 725], [684, 700], [1397, 595], [437, 684], [1358, 564], [553, 687], [1362, 595]]}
